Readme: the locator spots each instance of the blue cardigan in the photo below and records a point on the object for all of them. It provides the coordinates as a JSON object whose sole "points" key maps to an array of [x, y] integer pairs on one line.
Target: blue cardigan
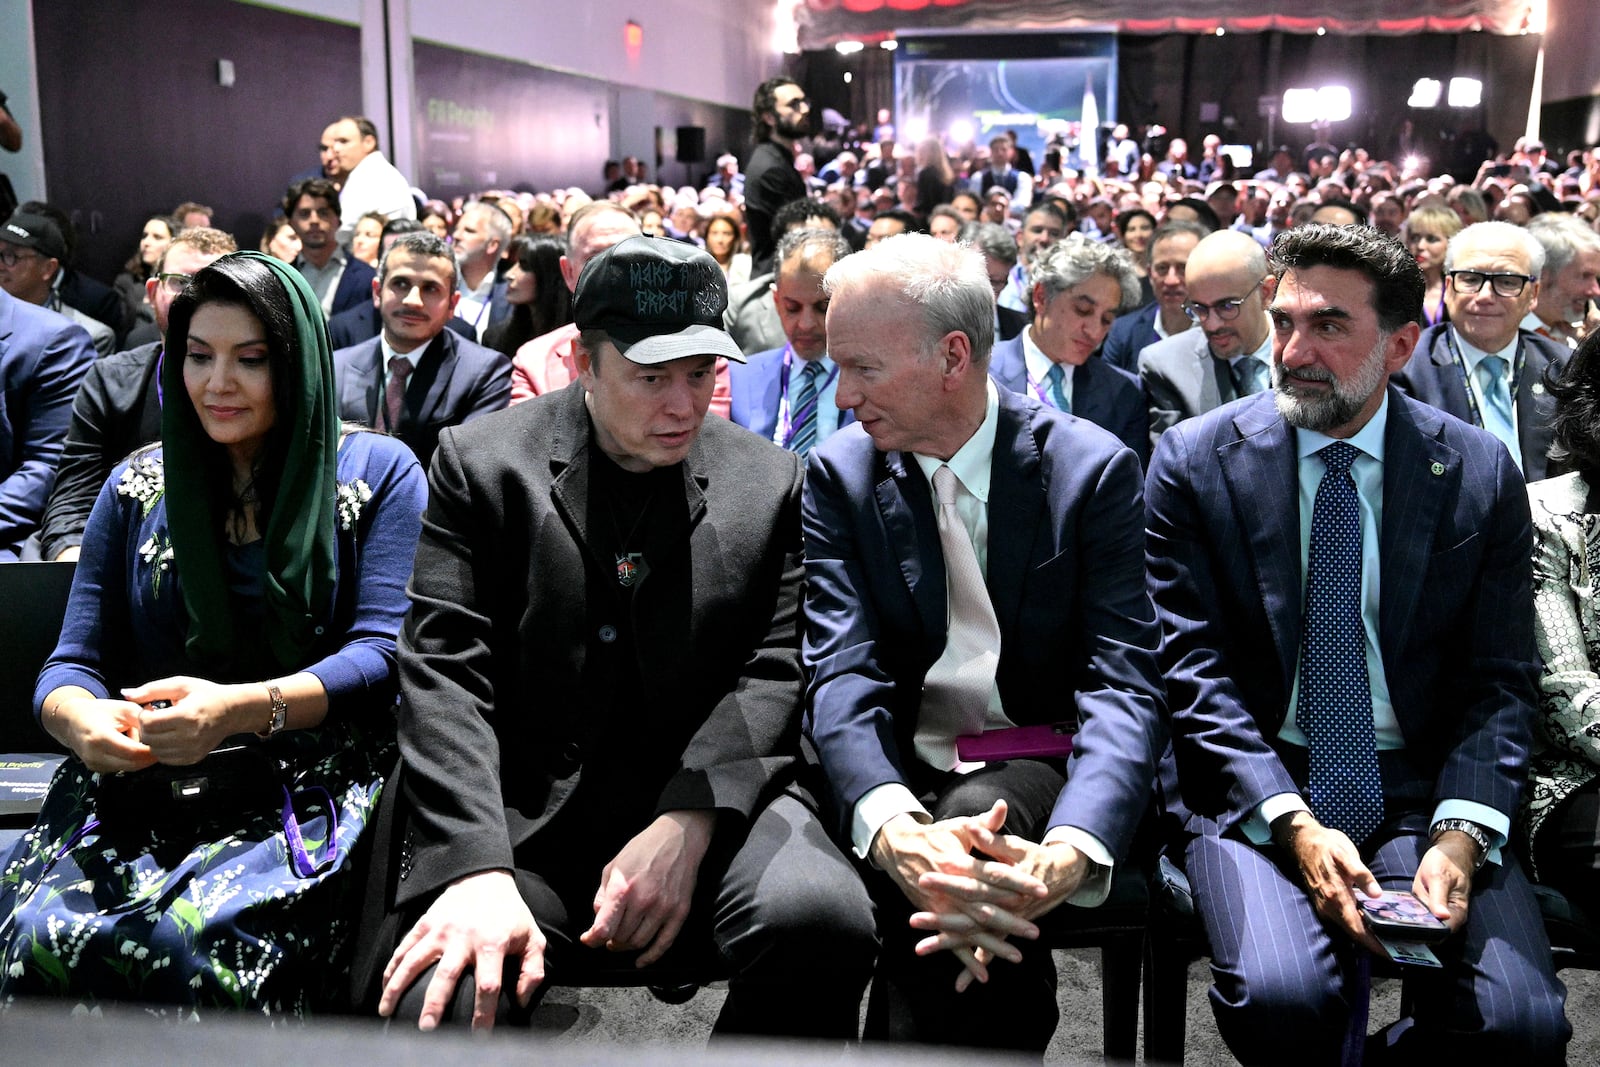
{"points": [[126, 623]]}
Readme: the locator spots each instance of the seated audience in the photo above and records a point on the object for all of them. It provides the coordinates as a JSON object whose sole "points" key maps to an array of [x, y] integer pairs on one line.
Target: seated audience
{"points": [[1330, 743], [726, 246], [1162, 317], [339, 279], [280, 241], [950, 479], [158, 233], [537, 294], [608, 550], [232, 617], [1562, 805], [1078, 287], [1481, 366], [1426, 233], [999, 250], [1565, 309], [417, 378], [368, 232], [34, 249], [118, 406]]}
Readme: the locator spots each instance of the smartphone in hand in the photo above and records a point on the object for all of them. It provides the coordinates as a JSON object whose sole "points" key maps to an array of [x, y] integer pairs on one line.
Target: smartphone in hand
{"points": [[1399, 916]]}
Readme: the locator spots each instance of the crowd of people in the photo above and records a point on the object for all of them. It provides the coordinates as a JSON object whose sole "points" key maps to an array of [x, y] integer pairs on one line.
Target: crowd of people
{"points": [[1044, 511]]}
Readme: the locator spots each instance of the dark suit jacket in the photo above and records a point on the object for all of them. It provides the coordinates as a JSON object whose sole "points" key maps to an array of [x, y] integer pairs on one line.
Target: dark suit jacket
{"points": [[752, 318], [363, 323], [355, 285], [454, 382], [1066, 575], [43, 357], [1009, 322], [1105, 395], [754, 398], [1129, 335], [1226, 573], [1182, 379], [1432, 377], [507, 683], [116, 411]]}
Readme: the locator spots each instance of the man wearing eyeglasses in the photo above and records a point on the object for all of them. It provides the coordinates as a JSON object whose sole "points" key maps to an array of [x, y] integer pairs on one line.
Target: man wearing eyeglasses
{"points": [[33, 251], [1480, 366], [118, 407], [1230, 356]]}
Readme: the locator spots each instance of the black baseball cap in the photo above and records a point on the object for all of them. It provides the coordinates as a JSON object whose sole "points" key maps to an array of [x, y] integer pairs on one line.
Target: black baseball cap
{"points": [[35, 232], [657, 299]]}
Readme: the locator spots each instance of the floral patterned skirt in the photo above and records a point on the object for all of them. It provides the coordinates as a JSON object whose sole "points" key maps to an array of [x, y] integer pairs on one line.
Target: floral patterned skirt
{"points": [[125, 914]]}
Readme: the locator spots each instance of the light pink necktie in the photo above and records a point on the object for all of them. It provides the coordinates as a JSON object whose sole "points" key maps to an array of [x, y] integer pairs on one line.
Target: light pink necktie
{"points": [[394, 399], [956, 691]]}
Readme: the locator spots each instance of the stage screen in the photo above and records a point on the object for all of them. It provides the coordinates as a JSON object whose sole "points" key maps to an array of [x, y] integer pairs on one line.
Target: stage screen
{"points": [[1041, 85]]}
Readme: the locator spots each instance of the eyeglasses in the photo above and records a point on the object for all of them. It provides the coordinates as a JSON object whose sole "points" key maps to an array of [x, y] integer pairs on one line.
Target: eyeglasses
{"points": [[11, 256], [174, 283], [1505, 283], [1226, 310]]}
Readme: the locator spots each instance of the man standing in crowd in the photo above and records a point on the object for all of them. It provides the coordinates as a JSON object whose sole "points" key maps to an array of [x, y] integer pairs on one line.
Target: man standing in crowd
{"points": [[974, 564], [339, 280], [416, 378], [786, 394], [1565, 311], [118, 406], [780, 115], [601, 691], [481, 238], [1164, 316], [1078, 285], [1041, 228], [33, 252], [1017, 184], [1343, 580], [1480, 366], [367, 181], [1230, 355]]}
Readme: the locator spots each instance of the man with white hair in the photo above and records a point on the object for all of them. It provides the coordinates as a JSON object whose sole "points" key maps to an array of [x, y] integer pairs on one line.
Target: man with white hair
{"points": [[948, 624], [1565, 310], [1481, 365]]}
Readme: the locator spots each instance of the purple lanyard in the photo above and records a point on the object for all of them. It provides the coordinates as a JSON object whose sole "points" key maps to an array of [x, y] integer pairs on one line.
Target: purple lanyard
{"points": [[787, 423], [1042, 393]]}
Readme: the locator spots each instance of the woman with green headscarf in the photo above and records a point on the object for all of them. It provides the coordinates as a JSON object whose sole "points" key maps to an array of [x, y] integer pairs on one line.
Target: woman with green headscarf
{"points": [[224, 680]]}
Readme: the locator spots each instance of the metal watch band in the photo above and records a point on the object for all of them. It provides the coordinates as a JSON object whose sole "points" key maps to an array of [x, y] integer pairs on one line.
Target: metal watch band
{"points": [[1471, 829], [280, 712]]}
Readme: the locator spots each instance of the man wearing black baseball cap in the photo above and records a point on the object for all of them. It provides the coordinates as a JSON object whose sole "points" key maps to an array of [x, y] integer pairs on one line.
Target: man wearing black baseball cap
{"points": [[33, 251], [601, 693]]}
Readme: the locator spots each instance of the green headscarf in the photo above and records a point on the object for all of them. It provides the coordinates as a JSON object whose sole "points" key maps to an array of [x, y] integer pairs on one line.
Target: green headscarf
{"points": [[300, 539]]}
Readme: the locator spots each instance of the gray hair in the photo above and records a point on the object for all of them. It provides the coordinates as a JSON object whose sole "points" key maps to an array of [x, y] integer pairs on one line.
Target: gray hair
{"points": [[1514, 235], [1176, 226], [1075, 259], [1562, 237], [500, 224], [818, 243], [990, 238], [418, 243], [946, 282]]}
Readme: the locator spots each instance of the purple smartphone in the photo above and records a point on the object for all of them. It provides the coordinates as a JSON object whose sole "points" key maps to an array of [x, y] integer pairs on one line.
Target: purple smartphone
{"points": [[1052, 741]]}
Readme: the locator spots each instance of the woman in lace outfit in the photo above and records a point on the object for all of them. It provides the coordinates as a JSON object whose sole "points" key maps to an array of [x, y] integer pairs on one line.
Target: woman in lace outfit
{"points": [[1563, 800]]}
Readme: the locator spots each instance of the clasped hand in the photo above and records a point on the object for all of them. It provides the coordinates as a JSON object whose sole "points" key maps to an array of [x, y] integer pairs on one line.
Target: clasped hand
{"points": [[974, 887], [112, 736]]}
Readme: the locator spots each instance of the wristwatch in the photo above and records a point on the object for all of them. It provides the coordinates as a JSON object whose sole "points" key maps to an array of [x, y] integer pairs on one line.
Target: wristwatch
{"points": [[1471, 829], [280, 712]]}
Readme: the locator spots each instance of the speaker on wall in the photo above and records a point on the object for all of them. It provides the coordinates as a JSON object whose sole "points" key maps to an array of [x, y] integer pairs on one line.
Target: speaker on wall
{"points": [[691, 144]]}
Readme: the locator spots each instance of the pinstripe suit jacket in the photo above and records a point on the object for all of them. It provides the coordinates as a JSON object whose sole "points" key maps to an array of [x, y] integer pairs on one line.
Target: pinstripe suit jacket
{"points": [[1455, 619]]}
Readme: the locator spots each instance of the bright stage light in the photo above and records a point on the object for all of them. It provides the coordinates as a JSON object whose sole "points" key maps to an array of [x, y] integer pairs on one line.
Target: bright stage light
{"points": [[961, 132], [1465, 92], [1331, 103], [1425, 93]]}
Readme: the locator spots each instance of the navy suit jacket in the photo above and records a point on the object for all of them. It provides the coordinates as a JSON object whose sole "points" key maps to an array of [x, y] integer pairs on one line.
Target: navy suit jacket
{"points": [[1455, 630], [355, 286], [754, 389], [363, 323], [455, 380], [1105, 395], [43, 357], [1432, 377], [1129, 334], [1066, 576]]}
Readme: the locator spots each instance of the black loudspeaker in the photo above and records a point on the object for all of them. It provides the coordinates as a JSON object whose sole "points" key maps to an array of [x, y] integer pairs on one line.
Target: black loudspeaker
{"points": [[691, 144]]}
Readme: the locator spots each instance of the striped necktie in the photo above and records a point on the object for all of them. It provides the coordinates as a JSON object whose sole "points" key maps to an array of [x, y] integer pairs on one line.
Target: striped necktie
{"points": [[803, 437]]}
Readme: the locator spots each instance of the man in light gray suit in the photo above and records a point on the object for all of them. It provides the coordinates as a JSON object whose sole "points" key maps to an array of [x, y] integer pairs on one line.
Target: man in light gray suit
{"points": [[1230, 356]]}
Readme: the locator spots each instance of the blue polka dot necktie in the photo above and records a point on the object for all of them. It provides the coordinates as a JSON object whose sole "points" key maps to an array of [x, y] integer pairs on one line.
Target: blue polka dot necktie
{"points": [[1058, 394], [1335, 704]]}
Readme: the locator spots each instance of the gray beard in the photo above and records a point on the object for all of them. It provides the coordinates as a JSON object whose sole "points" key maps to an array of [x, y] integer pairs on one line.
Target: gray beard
{"points": [[1343, 403]]}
